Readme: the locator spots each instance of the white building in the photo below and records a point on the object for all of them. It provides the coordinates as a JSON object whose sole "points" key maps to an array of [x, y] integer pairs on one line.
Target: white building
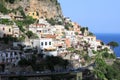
{"points": [[9, 30], [10, 56], [70, 35], [59, 31], [5, 17], [45, 46], [41, 28], [5, 30], [92, 41], [16, 31]]}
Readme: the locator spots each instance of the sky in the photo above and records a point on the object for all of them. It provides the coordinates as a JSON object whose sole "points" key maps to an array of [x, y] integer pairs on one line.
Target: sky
{"points": [[100, 16]]}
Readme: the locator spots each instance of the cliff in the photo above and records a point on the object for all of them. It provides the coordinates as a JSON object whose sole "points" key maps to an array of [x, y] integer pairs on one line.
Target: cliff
{"points": [[42, 8]]}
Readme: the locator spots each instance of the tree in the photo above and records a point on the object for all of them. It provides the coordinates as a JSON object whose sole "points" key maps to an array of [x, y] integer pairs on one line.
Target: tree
{"points": [[71, 49], [23, 62], [100, 66], [76, 33], [68, 25], [29, 34], [82, 30], [52, 61], [3, 9], [51, 21], [11, 1], [22, 38], [113, 44], [110, 72], [6, 21]]}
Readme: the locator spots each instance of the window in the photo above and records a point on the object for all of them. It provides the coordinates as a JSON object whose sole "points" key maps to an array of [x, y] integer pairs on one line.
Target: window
{"points": [[6, 55], [45, 43], [10, 60], [11, 54], [16, 58], [3, 60], [20, 53], [37, 13], [33, 14], [4, 35], [9, 30], [15, 53], [42, 43], [3, 29], [40, 31], [49, 43]]}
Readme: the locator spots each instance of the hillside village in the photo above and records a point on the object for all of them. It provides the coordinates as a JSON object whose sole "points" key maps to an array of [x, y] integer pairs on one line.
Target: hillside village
{"points": [[50, 39], [24, 35]]}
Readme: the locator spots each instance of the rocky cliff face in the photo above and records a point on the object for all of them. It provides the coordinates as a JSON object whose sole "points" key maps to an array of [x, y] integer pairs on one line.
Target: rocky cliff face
{"points": [[44, 8]]}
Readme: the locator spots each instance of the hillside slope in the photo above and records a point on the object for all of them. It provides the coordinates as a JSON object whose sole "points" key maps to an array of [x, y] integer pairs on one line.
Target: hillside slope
{"points": [[44, 8]]}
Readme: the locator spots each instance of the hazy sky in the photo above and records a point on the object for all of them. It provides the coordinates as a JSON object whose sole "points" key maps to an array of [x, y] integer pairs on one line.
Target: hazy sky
{"points": [[101, 16]]}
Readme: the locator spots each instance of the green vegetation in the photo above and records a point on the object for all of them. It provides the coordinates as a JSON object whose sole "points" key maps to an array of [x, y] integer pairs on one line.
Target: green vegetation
{"points": [[87, 58], [68, 25], [27, 21], [101, 43], [30, 34], [51, 21], [8, 39], [76, 33], [91, 34], [53, 61], [71, 49], [6, 21], [23, 62], [55, 1], [3, 9], [10, 1], [113, 44], [83, 29], [106, 55], [94, 52], [45, 63], [107, 72], [54, 21], [102, 69], [20, 9], [22, 38]]}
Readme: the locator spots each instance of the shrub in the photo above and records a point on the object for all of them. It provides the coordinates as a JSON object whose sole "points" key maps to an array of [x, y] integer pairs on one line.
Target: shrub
{"points": [[3, 9], [6, 21]]}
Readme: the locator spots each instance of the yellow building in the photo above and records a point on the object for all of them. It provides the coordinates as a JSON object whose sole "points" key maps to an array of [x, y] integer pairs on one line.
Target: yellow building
{"points": [[35, 15]]}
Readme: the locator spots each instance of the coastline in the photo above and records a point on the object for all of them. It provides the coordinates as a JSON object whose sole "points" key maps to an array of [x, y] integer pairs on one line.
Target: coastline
{"points": [[107, 37]]}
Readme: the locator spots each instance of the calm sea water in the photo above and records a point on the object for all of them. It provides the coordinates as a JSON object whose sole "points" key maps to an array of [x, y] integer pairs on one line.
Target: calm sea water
{"points": [[106, 38]]}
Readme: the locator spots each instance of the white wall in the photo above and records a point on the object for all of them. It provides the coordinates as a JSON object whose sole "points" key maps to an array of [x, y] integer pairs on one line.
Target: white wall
{"points": [[42, 43]]}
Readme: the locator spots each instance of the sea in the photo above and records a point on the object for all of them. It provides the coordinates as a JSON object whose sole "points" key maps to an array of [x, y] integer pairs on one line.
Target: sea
{"points": [[108, 37]]}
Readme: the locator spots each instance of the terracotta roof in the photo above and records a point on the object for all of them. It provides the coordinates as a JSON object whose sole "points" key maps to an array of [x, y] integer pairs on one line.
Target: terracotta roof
{"points": [[49, 36], [98, 40]]}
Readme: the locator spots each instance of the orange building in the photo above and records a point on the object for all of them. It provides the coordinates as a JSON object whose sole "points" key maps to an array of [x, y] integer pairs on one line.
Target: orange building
{"points": [[67, 42], [76, 27]]}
